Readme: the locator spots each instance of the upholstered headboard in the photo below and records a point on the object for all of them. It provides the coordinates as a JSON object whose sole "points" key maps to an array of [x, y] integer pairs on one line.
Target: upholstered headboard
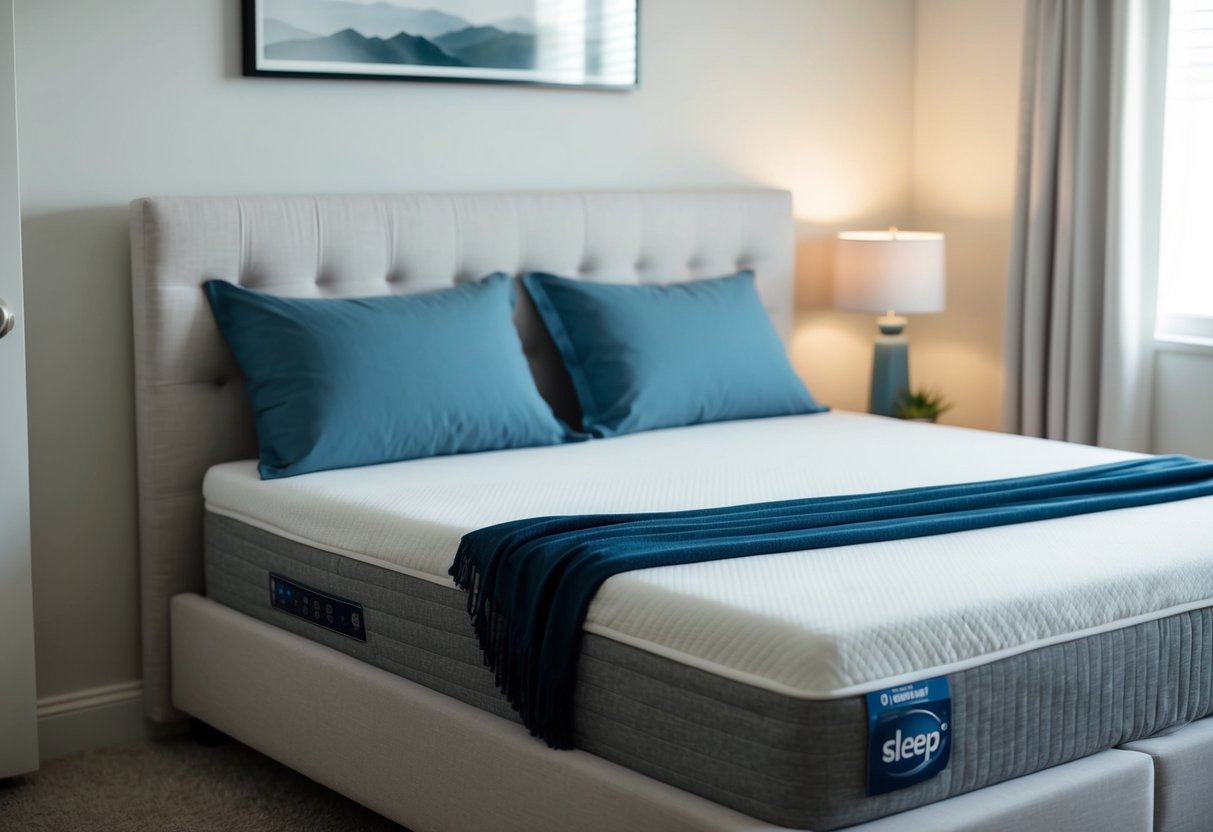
{"points": [[191, 409]]}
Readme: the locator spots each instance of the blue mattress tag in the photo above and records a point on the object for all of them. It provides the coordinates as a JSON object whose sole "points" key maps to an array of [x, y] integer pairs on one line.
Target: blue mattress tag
{"points": [[909, 734]]}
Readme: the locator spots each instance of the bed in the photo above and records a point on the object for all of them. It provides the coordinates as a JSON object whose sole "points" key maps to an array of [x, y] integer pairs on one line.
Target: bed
{"points": [[713, 696]]}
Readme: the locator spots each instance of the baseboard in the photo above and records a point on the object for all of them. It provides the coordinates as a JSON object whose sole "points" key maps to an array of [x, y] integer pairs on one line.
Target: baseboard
{"points": [[86, 720]]}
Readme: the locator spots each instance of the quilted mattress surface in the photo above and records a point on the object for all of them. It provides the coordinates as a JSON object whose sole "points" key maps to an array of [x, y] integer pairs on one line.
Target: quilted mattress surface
{"points": [[816, 625]]}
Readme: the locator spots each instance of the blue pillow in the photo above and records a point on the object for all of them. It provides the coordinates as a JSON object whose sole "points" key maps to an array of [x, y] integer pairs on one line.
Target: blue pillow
{"points": [[357, 381], [659, 356]]}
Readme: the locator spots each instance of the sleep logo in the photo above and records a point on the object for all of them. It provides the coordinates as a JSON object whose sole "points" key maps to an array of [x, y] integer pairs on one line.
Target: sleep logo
{"points": [[909, 734]]}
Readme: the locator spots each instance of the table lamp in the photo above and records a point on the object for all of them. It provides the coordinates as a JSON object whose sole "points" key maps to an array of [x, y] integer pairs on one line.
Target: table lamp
{"points": [[892, 272]]}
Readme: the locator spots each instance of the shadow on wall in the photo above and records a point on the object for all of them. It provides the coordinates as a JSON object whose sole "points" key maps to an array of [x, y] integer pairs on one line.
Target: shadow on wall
{"points": [[82, 466]]}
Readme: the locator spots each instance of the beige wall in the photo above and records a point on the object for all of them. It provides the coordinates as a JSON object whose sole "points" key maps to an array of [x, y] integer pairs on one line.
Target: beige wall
{"points": [[966, 103], [134, 97], [964, 145], [966, 113]]}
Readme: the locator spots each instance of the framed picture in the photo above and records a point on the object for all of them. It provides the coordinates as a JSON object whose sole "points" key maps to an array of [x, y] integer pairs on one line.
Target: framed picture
{"points": [[581, 43]]}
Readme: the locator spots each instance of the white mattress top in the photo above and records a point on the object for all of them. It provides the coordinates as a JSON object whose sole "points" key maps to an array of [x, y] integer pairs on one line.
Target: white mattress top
{"points": [[820, 624]]}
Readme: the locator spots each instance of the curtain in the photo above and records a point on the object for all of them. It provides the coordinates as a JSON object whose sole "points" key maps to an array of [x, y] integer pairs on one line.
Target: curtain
{"points": [[1082, 280]]}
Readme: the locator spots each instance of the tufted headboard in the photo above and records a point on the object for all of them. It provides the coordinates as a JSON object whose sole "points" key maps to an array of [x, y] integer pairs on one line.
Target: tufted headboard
{"points": [[191, 410]]}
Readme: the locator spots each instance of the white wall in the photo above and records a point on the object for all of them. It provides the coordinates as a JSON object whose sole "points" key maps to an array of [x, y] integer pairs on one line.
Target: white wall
{"points": [[135, 97], [966, 111], [1183, 400]]}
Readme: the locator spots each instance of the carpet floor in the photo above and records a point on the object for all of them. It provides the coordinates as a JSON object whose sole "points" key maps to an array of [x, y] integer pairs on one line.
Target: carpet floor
{"points": [[176, 785]]}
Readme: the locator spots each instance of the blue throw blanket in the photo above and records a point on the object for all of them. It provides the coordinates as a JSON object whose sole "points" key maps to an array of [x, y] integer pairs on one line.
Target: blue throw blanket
{"points": [[530, 582]]}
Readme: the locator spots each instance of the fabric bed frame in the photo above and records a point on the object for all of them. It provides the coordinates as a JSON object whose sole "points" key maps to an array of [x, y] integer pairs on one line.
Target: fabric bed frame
{"points": [[192, 413], [437, 765]]}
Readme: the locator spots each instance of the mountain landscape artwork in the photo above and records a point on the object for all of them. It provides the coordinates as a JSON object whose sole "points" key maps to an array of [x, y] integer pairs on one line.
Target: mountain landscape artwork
{"points": [[577, 42]]}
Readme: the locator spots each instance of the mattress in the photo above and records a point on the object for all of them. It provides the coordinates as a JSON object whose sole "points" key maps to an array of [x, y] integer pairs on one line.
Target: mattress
{"points": [[744, 680]]}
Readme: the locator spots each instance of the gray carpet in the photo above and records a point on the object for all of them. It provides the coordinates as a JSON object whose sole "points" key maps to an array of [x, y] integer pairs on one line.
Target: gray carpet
{"points": [[176, 785]]}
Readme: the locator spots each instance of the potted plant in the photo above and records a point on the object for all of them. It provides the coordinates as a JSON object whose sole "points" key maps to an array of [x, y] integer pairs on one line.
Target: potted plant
{"points": [[922, 405]]}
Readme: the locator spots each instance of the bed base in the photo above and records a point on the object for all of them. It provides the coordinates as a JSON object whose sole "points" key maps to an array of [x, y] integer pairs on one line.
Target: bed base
{"points": [[435, 764], [1183, 759]]}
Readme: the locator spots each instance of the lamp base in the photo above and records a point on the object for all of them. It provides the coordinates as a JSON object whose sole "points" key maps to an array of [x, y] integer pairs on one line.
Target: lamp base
{"points": [[890, 373], [891, 324]]}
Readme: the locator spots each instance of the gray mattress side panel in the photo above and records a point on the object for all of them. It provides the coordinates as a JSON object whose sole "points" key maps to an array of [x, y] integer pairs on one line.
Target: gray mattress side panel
{"points": [[1012, 717], [415, 628], [794, 762]]}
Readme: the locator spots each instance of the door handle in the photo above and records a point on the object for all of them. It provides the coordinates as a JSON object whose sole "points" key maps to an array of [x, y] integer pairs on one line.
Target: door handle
{"points": [[7, 319]]}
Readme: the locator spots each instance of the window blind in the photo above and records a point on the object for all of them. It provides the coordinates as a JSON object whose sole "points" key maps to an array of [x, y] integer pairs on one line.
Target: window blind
{"points": [[1186, 238]]}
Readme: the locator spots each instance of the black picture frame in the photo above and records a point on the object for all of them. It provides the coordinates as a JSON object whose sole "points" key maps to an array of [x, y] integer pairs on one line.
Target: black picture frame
{"points": [[303, 56]]}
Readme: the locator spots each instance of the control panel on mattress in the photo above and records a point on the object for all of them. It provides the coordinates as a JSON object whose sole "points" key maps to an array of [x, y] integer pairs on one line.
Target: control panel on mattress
{"points": [[337, 614]]}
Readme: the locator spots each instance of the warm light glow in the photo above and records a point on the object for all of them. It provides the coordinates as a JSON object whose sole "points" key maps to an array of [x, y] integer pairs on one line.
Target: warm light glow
{"points": [[830, 352], [876, 271], [890, 235]]}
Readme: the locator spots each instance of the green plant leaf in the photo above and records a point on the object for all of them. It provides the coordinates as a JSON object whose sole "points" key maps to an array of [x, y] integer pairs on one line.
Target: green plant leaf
{"points": [[922, 404]]}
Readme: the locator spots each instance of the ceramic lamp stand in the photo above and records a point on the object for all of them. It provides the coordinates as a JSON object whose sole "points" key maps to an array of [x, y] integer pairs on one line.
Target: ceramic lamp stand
{"points": [[890, 365]]}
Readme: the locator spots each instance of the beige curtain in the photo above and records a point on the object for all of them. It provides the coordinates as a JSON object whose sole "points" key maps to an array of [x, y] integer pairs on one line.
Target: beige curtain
{"points": [[1080, 305]]}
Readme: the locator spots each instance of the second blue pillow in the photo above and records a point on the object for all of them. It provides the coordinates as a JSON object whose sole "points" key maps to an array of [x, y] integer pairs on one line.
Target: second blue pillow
{"points": [[658, 356]]}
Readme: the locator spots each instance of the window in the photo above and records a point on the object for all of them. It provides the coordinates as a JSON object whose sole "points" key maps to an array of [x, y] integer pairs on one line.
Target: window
{"points": [[1185, 301]]}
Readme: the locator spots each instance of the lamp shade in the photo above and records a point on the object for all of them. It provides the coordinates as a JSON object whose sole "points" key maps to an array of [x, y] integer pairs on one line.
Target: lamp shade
{"points": [[899, 271]]}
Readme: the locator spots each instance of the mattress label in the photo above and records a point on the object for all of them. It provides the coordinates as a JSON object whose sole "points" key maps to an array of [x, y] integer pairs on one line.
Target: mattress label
{"points": [[909, 733]]}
